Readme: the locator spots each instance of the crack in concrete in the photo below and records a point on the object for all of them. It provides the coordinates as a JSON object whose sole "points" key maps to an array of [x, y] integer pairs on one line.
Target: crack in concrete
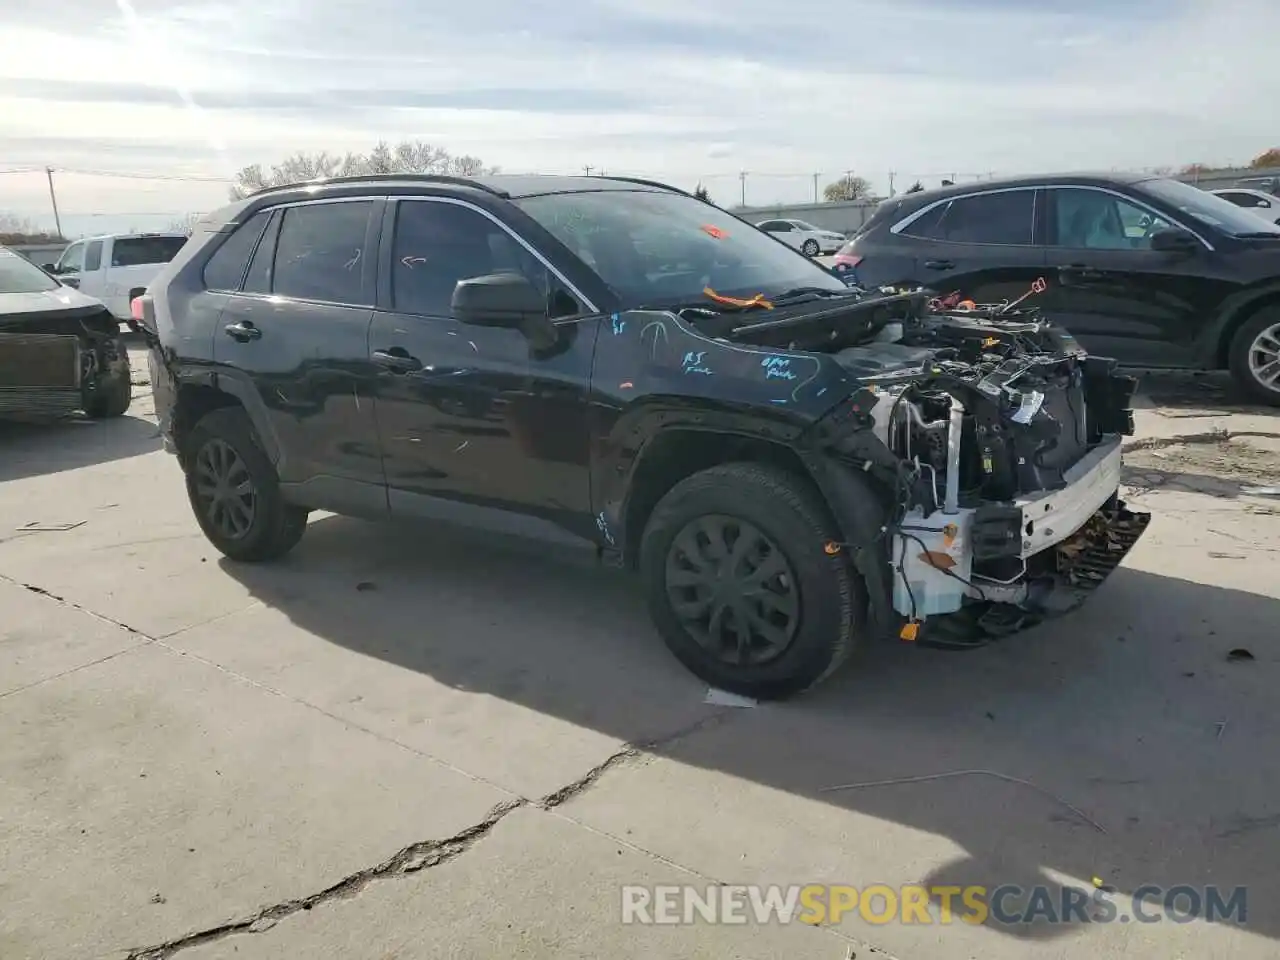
{"points": [[411, 859], [41, 591], [422, 855], [1217, 435]]}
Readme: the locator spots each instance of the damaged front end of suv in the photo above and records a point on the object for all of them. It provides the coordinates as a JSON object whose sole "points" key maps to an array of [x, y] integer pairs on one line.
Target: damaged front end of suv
{"points": [[999, 440], [990, 439]]}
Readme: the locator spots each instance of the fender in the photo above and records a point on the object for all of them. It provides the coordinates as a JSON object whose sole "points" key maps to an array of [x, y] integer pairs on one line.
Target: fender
{"points": [[1211, 345], [238, 385]]}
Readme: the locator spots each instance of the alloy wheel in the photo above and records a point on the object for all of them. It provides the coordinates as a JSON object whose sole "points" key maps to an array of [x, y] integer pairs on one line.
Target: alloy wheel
{"points": [[1264, 357], [733, 590], [224, 489]]}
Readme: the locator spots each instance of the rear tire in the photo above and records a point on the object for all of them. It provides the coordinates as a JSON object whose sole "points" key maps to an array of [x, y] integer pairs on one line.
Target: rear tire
{"points": [[1255, 354], [235, 492], [809, 248], [765, 505]]}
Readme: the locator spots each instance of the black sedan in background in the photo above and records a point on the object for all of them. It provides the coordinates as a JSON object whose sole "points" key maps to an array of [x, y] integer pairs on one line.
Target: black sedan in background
{"points": [[1151, 271]]}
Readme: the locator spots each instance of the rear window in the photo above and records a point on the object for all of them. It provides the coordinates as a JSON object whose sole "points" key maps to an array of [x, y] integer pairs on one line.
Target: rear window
{"points": [[226, 268], [142, 251]]}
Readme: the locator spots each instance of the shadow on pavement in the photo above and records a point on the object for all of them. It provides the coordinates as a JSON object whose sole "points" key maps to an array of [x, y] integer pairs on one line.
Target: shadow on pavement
{"points": [[35, 448], [1122, 743], [1193, 393]]}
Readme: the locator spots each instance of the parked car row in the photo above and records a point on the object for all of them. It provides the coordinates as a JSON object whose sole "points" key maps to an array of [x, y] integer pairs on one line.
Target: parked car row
{"points": [[1148, 270]]}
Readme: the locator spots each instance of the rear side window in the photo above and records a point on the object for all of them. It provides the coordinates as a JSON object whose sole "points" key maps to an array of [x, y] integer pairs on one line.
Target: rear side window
{"points": [[262, 267], [320, 252], [226, 268], [1006, 218], [93, 256], [144, 251]]}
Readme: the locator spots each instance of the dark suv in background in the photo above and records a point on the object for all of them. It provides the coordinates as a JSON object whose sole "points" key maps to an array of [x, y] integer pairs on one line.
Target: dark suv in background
{"points": [[1151, 271]]}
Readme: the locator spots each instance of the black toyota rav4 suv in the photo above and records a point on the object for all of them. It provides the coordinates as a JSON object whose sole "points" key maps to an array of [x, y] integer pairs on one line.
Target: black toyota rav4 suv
{"points": [[1151, 271], [792, 465]]}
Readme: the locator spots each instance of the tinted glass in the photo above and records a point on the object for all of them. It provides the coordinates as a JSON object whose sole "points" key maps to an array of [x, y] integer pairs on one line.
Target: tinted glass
{"points": [[929, 225], [1206, 208], [1005, 218], [258, 279], [655, 248], [20, 275], [93, 255], [438, 244], [1093, 220], [142, 251], [320, 252], [226, 268]]}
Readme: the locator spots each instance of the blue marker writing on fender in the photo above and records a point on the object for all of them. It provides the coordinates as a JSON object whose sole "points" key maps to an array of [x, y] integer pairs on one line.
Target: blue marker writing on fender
{"points": [[618, 324], [777, 368], [693, 362]]}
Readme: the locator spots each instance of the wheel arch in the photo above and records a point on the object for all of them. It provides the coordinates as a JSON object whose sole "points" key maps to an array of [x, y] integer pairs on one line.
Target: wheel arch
{"points": [[1236, 315], [199, 395]]}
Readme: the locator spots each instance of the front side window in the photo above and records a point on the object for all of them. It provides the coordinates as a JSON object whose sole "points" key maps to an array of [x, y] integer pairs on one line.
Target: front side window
{"points": [[660, 249], [320, 252], [72, 259], [93, 256], [20, 275], [437, 244], [1093, 220]]}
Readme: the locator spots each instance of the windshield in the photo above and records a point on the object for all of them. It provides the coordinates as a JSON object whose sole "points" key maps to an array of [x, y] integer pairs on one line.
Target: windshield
{"points": [[658, 249], [1208, 208], [20, 275]]}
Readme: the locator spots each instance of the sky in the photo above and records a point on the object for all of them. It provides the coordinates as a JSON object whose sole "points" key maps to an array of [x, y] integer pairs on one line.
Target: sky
{"points": [[686, 92]]}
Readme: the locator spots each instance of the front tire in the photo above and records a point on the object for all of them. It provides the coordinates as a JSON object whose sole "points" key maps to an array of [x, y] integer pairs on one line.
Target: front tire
{"points": [[1254, 356], [809, 248], [234, 490], [111, 397], [740, 585]]}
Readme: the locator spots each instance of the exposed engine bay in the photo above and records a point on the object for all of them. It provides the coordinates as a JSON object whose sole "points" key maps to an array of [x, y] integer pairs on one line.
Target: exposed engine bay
{"points": [[996, 437]]}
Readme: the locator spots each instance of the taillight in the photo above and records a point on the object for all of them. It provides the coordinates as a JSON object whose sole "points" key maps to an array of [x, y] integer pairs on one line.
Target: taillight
{"points": [[136, 308], [848, 259]]}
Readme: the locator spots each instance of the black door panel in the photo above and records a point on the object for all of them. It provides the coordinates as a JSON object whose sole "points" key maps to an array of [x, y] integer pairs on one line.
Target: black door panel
{"points": [[486, 418], [308, 359]]}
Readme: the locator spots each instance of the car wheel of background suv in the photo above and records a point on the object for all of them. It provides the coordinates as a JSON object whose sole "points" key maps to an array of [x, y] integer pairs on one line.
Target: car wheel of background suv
{"points": [[740, 585], [235, 492], [111, 397], [1255, 356], [809, 248]]}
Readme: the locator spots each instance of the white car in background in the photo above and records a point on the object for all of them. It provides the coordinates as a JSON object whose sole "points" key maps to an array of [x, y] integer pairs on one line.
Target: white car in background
{"points": [[1256, 201], [117, 267], [810, 240]]}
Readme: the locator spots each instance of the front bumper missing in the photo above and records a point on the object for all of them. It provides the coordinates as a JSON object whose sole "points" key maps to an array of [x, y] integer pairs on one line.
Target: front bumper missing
{"points": [[1056, 582]]}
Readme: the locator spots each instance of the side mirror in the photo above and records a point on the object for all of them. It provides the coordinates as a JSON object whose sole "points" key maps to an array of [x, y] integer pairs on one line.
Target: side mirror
{"points": [[49, 268], [499, 300], [1173, 240]]}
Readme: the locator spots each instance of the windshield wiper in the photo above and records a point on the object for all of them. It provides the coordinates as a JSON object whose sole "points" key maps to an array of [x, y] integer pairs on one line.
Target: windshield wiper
{"points": [[802, 294], [1259, 235]]}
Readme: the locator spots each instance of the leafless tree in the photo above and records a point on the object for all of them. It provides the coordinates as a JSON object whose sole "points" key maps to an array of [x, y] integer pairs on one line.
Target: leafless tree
{"points": [[15, 229], [408, 156], [848, 187]]}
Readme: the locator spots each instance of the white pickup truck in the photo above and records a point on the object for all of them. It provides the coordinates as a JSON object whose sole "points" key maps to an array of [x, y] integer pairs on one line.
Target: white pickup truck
{"points": [[116, 268]]}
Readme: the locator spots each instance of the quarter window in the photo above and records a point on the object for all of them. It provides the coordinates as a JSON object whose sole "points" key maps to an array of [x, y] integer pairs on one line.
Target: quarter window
{"points": [[320, 253], [439, 244], [226, 268], [1093, 220]]}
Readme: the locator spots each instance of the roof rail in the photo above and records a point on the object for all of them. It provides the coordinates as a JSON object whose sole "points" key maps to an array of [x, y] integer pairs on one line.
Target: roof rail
{"points": [[383, 178], [646, 183]]}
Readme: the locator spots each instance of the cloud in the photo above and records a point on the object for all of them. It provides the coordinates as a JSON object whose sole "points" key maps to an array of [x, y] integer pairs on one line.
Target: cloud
{"points": [[685, 91]]}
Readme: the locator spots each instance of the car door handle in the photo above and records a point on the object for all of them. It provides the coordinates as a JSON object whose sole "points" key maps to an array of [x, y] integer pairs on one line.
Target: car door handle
{"points": [[243, 331], [396, 360], [940, 264]]}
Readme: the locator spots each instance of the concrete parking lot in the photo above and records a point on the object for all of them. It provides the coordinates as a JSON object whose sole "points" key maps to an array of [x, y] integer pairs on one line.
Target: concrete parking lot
{"points": [[424, 743]]}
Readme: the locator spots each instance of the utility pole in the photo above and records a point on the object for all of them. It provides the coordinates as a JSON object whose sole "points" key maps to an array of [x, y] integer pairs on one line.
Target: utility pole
{"points": [[815, 188], [891, 190], [587, 169], [743, 178], [53, 198]]}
